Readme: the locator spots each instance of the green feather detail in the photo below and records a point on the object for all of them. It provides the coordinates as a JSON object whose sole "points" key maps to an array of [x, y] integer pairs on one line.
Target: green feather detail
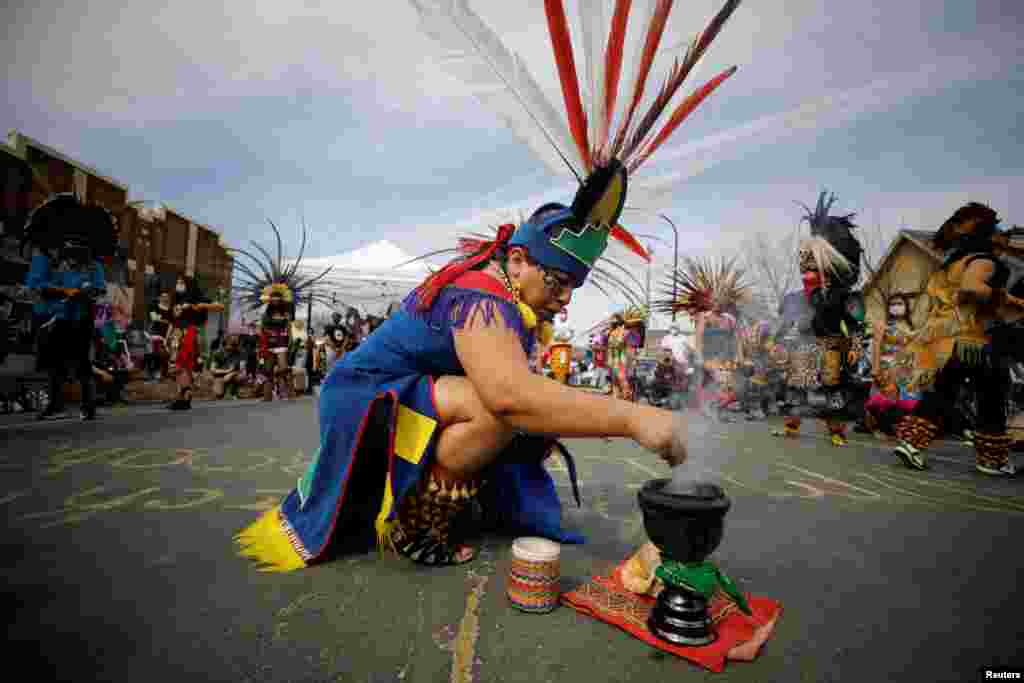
{"points": [[704, 578]]}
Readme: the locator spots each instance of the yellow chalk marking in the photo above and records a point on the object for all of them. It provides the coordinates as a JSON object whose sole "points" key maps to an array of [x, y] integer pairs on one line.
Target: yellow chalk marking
{"points": [[268, 502], [75, 510], [645, 469], [206, 469], [62, 461], [297, 466], [204, 496], [869, 495], [941, 502], [950, 486], [183, 456], [464, 651], [757, 489]]}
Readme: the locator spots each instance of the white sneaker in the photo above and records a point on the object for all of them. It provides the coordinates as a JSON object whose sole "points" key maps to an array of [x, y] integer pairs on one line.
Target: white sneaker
{"points": [[910, 456], [1007, 470]]}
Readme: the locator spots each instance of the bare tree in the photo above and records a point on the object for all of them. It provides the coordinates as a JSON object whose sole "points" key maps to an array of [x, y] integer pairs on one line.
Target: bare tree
{"points": [[771, 261]]}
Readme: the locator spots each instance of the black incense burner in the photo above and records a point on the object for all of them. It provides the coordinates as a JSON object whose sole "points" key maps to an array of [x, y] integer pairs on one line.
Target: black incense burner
{"points": [[686, 523]]}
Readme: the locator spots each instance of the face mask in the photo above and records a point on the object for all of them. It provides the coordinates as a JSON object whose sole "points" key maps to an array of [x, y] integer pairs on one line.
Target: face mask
{"points": [[180, 289], [897, 311]]}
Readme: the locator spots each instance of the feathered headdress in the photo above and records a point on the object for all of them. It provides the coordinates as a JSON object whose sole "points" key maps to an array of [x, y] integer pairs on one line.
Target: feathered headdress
{"points": [[703, 286], [278, 290], [602, 143], [475, 248], [64, 218], [634, 315], [832, 249], [757, 334], [256, 283]]}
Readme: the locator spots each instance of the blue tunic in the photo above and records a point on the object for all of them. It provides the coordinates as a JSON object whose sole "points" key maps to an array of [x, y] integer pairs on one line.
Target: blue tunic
{"points": [[41, 276], [366, 462]]}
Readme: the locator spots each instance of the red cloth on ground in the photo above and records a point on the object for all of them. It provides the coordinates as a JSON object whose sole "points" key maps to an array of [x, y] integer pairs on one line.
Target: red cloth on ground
{"points": [[740, 637]]}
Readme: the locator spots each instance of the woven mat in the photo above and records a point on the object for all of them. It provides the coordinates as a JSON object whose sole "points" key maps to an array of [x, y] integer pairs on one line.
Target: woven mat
{"points": [[740, 637]]}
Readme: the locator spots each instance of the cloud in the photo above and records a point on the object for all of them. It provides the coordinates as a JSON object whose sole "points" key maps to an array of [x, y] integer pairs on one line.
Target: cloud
{"points": [[238, 111]]}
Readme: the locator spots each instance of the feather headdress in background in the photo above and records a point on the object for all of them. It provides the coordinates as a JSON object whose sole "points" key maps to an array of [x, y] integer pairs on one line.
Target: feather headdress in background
{"points": [[832, 249], [255, 282], [64, 218], [703, 286], [634, 315]]}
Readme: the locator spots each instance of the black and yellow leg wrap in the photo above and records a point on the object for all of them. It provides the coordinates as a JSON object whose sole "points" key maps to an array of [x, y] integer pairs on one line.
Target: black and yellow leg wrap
{"points": [[423, 528], [790, 427], [834, 351], [837, 432], [917, 431], [992, 450]]}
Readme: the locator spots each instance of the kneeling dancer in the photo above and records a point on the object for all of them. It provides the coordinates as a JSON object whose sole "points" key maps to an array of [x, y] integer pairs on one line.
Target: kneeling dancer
{"points": [[436, 403], [437, 406]]}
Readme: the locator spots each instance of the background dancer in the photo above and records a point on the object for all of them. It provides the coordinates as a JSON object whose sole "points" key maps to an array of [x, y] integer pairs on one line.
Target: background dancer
{"points": [[796, 357], [710, 293], [756, 363], [161, 321], [894, 393], [829, 262], [337, 336], [193, 309], [968, 296], [276, 286], [619, 359], [275, 340], [68, 238]]}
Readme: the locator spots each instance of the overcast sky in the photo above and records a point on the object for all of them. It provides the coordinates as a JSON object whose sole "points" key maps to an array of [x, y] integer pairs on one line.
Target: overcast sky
{"points": [[233, 112]]}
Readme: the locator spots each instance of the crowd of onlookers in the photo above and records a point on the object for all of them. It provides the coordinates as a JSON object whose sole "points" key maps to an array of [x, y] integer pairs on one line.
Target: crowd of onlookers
{"points": [[231, 364]]}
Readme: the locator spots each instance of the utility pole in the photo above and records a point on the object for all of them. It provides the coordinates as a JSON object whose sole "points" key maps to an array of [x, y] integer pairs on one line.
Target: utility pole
{"points": [[309, 312], [650, 265], [675, 261]]}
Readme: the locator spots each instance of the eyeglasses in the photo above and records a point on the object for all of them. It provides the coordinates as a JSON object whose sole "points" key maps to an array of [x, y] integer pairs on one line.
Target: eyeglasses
{"points": [[555, 281]]}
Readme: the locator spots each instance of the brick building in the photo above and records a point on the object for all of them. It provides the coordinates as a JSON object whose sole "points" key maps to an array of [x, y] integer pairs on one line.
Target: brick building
{"points": [[156, 246]]}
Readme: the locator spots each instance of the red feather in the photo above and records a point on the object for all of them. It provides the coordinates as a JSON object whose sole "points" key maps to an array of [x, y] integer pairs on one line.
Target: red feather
{"points": [[613, 66], [432, 286], [624, 236], [469, 246], [651, 42], [684, 109], [558, 27]]}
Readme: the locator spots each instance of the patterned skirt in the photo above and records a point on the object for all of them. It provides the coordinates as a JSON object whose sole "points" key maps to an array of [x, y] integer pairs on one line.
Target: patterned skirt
{"points": [[802, 368]]}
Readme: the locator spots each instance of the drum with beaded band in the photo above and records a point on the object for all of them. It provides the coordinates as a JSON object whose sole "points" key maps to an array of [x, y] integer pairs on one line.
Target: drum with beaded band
{"points": [[534, 574]]}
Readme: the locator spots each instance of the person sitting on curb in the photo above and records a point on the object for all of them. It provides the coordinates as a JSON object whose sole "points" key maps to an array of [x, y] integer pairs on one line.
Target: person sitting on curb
{"points": [[227, 368]]}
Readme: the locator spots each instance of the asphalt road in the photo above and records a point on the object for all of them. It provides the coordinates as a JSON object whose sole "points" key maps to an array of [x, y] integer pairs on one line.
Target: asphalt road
{"points": [[119, 564]]}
